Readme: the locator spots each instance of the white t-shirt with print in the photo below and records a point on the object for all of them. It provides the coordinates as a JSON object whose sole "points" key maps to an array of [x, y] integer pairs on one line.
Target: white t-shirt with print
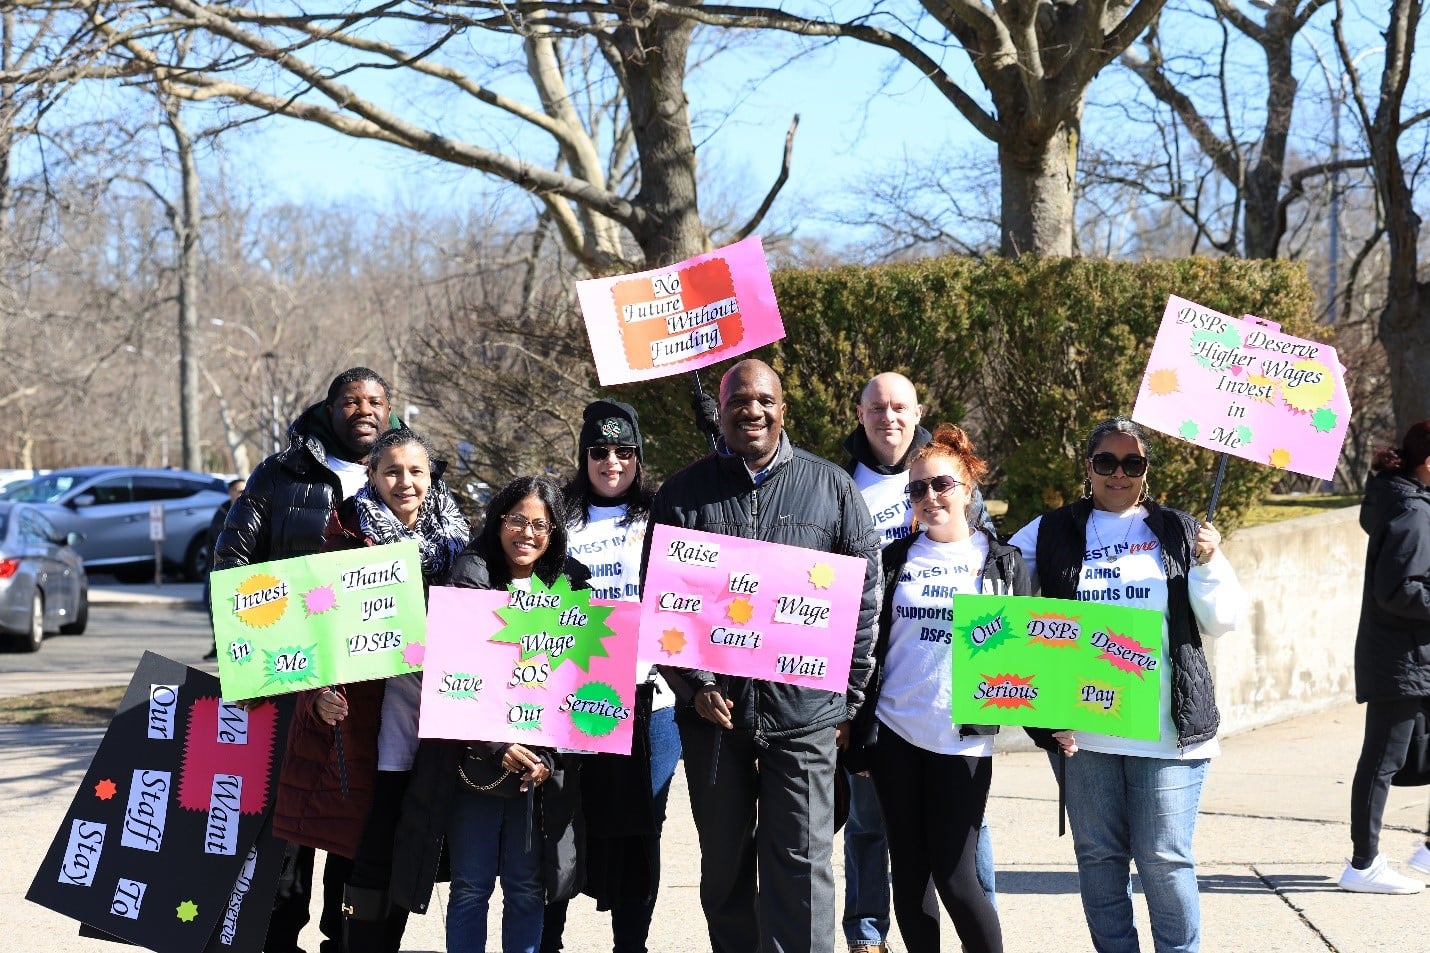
{"points": [[887, 500], [1122, 565], [613, 554], [915, 700]]}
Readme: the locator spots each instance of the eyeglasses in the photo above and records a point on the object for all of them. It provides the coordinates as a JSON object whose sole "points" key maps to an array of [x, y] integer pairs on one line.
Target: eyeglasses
{"points": [[520, 524], [597, 454], [1105, 464], [939, 484]]}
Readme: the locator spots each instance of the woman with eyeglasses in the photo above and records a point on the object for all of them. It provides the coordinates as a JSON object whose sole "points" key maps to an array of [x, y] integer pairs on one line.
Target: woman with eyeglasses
{"points": [[931, 775], [1133, 800], [524, 538], [623, 797]]}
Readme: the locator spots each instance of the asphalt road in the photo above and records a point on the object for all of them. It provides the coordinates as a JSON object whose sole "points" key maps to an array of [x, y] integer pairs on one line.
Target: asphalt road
{"points": [[109, 650]]}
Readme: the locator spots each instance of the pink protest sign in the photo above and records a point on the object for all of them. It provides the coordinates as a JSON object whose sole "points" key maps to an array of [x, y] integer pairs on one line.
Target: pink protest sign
{"points": [[683, 317], [1241, 386], [746, 607], [547, 667]]}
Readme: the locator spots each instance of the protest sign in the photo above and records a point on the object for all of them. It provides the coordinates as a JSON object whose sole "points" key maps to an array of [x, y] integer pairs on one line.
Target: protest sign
{"points": [[747, 607], [1057, 663], [547, 667], [1241, 386], [343, 616], [683, 317], [161, 845]]}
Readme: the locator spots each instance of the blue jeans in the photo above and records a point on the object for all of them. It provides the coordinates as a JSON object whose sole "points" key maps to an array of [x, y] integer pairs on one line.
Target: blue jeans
{"points": [[486, 838], [1144, 809], [866, 867]]}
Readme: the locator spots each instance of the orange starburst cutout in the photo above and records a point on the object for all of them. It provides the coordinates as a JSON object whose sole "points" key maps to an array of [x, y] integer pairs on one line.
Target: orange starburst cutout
{"points": [[740, 610], [672, 641], [821, 575], [1281, 458], [1163, 382], [105, 790]]}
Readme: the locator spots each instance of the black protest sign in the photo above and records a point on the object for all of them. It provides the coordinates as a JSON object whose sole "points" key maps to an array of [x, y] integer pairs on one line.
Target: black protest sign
{"points": [[157, 846]]}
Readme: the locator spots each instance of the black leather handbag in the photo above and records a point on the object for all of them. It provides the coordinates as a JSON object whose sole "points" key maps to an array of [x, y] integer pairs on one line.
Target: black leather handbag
{"points": [[482, 771]]}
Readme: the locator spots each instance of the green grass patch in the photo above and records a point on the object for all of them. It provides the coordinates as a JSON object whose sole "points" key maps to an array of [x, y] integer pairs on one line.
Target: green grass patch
{"points": [[70, 706], [1276, 509]]}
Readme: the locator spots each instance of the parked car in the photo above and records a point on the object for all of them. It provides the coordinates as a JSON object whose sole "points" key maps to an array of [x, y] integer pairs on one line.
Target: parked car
{"points": [[43, 587], [109, 508]]}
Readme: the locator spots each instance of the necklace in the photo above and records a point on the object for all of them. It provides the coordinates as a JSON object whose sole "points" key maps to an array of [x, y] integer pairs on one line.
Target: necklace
{"points": [[1113, 557]]}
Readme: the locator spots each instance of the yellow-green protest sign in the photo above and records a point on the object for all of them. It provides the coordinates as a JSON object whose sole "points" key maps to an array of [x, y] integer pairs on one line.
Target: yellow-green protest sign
{"points": [[343, 616], [1057, 663]]}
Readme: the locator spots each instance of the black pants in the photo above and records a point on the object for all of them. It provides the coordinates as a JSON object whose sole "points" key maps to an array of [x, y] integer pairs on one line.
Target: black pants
{"points": [[378, 931], [290, 905], [933, 806], [1387, 740]]}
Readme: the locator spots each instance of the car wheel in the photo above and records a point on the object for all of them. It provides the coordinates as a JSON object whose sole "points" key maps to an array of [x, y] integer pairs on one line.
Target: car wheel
{"points": [[36, 636], [197, 559], [81, 616]]}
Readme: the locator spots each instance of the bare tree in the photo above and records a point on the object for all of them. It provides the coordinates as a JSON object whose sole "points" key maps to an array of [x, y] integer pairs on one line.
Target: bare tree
{"points": [[298, 63]]}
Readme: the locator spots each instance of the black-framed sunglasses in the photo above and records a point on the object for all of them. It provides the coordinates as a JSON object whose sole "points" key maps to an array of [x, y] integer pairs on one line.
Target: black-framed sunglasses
{"points": [[520, 524], [1106, 464], [599, 453], [939, 484]]}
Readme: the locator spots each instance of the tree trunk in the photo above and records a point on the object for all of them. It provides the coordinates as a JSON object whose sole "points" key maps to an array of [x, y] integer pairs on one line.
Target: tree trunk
{"points": [[660, 119], [186, 232], [1039, 181], [1405, 335]]}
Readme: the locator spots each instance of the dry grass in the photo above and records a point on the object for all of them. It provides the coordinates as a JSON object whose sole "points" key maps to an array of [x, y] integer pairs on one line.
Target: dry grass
{"points": [[71, 706], [1279, 508]]}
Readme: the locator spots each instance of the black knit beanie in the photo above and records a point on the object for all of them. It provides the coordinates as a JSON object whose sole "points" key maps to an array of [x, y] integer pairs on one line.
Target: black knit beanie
{"points": [[610, 422]]}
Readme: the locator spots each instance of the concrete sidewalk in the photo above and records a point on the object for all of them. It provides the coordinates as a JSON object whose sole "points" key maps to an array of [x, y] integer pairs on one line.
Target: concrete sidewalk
{"points": [[176, 594], [1271, 842]]}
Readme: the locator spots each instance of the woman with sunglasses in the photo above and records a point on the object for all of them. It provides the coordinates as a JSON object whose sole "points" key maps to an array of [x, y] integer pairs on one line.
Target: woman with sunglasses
{"points": [[1133, 800], [932, 776], [524, 537], [623, 797]]}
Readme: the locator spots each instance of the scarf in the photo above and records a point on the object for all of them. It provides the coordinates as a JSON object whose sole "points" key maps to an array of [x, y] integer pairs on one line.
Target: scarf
{"points": [[441, 531]]}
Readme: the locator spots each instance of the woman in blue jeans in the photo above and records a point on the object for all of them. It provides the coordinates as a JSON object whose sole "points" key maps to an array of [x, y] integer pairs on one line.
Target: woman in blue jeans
{"points": [[529, 840], [1133, 800]]}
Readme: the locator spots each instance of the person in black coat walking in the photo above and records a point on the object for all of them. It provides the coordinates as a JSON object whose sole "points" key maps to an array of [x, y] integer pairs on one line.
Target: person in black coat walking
{"points": [[1392, 651]]}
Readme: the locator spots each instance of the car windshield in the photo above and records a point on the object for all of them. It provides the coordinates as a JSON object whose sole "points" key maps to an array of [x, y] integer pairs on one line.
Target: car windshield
{"points": [[45, 489]]}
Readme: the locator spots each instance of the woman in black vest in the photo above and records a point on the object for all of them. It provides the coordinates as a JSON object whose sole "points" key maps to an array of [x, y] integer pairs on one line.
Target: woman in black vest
{"points": [[1131, 799], [1392, 650]]}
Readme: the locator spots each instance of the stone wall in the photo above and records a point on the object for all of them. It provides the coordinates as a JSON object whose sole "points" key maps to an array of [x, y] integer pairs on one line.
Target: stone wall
{"points": [[1295, 653]]}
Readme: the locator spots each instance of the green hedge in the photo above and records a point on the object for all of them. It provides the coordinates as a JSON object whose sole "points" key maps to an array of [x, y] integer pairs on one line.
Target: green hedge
{"points": [[1026, 353]]}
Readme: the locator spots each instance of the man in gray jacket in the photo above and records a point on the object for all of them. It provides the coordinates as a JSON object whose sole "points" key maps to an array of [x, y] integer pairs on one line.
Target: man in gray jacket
{"points": [[759, 755]]}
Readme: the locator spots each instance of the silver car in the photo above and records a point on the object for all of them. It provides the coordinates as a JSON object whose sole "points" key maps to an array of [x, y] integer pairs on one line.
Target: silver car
{"points": [[109, 508], [43, 587]]}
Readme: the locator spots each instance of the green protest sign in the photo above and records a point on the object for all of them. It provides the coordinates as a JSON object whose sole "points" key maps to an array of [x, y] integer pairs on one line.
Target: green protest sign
{"points": [[1057, 663], [343, 616]]}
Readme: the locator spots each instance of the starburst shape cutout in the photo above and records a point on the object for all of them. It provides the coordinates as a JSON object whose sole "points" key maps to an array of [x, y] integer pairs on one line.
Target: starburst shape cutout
{"points": [[821, 575], [740, 610], [1163, 382], [105, 790], [672, 641], [1281, 458], [1324, 420], [188, 911], [413, 653]]}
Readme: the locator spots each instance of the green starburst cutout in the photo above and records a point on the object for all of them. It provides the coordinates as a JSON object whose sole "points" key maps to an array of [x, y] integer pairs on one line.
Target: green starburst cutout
{"points": [[292, 665], [557, 622], [988, 632], [1324, 420], [1188, 430]]}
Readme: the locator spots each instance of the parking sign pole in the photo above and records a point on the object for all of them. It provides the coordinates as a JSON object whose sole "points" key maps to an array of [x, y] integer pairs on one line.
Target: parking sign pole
{"points": [[156, 533]]}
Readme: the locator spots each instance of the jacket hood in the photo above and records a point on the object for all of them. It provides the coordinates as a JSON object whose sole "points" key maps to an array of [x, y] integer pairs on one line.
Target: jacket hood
{"points": [[1385, 493], [857, 446]]}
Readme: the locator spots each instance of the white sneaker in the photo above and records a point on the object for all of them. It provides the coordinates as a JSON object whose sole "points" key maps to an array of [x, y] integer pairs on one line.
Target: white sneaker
{"points": [[1378, 878], [1420, 860]]}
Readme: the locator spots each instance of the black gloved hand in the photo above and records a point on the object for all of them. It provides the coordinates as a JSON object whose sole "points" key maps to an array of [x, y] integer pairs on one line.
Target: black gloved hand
{"points": [[707, 413]]}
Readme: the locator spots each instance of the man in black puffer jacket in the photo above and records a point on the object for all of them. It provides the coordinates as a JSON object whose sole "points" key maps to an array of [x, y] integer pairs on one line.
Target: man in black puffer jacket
{"points": [[282, 513], [759, 755]]}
